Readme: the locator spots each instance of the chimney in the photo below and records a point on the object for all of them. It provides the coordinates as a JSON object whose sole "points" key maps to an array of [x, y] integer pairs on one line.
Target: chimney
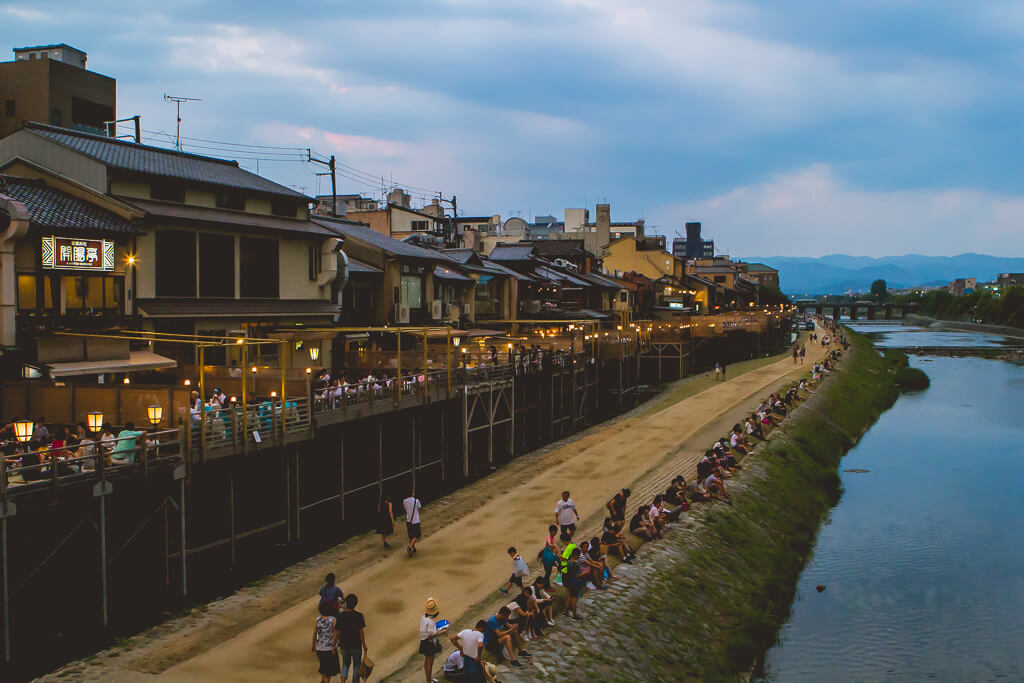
{"points": [[603, 224]]}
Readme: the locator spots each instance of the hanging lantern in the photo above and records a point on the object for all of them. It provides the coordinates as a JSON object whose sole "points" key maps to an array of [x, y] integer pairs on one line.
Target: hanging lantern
{"points": [[23, 430], [314, 353], [95, 420], [155, 413]]}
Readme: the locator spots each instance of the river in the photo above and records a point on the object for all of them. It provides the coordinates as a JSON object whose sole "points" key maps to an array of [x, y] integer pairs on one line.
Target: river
{"points": [[923, 558]]}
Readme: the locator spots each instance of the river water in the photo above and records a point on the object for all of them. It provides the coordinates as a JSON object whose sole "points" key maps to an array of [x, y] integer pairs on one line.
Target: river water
{"points": [[923, 557]]}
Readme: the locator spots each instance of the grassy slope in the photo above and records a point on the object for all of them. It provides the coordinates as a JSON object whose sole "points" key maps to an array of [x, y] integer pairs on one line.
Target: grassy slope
{"points": [[712, 614]]}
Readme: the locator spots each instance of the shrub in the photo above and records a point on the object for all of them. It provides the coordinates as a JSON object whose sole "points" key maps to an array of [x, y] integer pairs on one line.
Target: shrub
{"points": [[911, 379], [896, 358]]}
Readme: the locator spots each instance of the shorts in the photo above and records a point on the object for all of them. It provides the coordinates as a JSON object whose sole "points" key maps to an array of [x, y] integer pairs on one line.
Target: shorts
{"points": [[413, 530], [568, 528], [517, 580], [575, 588]]}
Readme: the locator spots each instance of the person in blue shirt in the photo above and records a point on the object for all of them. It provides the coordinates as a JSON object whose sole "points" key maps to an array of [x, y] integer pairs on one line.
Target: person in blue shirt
{"points": [[124, 449], [500, 635]]}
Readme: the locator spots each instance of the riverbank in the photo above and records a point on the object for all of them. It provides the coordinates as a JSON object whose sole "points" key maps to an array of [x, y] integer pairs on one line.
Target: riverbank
{"points": [[706, 601], [937, 324]]}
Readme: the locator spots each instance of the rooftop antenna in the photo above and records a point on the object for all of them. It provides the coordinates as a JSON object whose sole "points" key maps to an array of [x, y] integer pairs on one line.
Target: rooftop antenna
{"points": [[177, 101]]}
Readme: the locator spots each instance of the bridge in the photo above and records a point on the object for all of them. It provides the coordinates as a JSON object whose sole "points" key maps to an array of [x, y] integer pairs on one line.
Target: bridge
{"points": [[867, 310]]}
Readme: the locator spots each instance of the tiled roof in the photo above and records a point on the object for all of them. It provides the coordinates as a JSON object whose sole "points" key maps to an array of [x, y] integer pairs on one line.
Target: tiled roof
{"points": [[559, 248], [449, 274], [50, 208], [462, 256], [511, 252], [760, 268], [356, 266], [389, 245], [226, 218], [715, 269], [166, 163], [601, 281], [498, 269]]}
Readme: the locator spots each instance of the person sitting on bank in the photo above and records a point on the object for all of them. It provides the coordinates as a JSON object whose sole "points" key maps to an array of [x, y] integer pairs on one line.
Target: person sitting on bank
{"points": [[545, 601], [716, 487], [471, 645], [124, 449], [640, 526], [738, 442], [501, 637], [698, 494], [613, 539], [598, 556], [594, 571]]}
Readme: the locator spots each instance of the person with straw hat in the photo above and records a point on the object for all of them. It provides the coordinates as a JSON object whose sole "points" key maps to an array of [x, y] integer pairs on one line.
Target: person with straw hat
{"points": [[430, 646]]}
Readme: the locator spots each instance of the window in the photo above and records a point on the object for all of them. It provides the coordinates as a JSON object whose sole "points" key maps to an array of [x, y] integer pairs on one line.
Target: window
{"points": [[622, 296], [231, 200], [314, 261], [93, 292], [412, 291], [176, 263], [259, 267], [31, 55], [283, 207], [216, 265], [167, 190], [719, 278], [27, 293], [419, 225], [9, 108]]}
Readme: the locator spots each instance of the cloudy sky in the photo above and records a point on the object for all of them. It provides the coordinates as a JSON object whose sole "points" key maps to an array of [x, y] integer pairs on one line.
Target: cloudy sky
{"points": [[789, 127]]}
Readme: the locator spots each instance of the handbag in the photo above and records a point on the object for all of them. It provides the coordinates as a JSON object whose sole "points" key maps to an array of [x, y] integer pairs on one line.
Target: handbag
{"points": [[365, 667]]}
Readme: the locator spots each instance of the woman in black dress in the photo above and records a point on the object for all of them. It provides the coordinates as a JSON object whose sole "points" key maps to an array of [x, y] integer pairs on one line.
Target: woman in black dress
{"points": [[385, 519]]}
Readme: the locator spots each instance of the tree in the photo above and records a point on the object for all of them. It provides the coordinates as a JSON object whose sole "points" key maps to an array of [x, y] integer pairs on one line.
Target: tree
{"points": [[879, 290]]}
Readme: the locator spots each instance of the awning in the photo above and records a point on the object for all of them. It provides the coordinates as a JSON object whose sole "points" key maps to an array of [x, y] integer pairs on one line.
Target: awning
{"points": [[357, 266], [236, 308], [448, 274], [137, 360]]}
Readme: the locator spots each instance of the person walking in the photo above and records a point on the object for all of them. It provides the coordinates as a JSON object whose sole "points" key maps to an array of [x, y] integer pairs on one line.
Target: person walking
{"points": [[803, 352], [430, 646], [351, 627], [718, 371], [325, 644], [330, 596], [385, 519], [412, 507], [723, 371], [566, 514]]}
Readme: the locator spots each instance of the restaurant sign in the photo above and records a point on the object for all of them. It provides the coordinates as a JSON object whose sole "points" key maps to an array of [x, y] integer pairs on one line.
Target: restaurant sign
{"points": [[67, 253]]}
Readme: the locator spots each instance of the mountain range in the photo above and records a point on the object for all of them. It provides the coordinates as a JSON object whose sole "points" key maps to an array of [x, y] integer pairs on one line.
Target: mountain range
{"points": [[837, 273]]}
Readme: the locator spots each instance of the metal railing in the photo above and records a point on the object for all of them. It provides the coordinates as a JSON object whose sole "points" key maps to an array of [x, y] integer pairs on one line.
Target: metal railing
{"points": [[237, 426], [381, 390], [27, 469]]}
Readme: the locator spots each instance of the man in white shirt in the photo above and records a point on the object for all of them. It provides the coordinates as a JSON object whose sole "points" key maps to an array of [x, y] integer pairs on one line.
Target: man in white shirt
{"points": [[471, 643], [412, 507], [566, 515]]}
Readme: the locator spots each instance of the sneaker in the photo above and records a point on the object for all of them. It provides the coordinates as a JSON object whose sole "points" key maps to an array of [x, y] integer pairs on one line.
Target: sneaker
{"points": [[551, 623], [516, 664], [503, 590], [591, 586], [525, 653], [576, 618], [408, 551], [387, 546]]}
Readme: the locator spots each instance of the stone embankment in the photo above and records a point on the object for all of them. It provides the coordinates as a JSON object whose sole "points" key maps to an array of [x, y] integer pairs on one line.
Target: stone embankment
{"points": [[704, 602]]}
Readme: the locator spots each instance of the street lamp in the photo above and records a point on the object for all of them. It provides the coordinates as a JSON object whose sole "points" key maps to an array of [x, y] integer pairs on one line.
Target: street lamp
{"points": [[95, 421], [155, 413]]}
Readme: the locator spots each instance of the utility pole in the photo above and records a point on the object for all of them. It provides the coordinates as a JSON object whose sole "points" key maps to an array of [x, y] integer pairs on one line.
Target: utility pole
{"points": [[334, 180], [177, 101], [453, 229]]}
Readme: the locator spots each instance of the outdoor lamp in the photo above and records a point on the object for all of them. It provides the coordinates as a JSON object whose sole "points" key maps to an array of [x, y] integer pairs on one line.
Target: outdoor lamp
{"points": [[252, 369], [155, 413], [234, 399], [95, 421], [309, 371], [314, 353], [126, 380], [23, 430], [188, 383], [455, 341]]}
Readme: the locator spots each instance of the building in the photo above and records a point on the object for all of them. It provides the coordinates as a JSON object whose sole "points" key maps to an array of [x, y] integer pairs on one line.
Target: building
{"points": [[327, 205], [1005, 280], [397, 219], [764, 275], [598, 233], [49, 83], [220, 251], [963, 286], [693, 247]]}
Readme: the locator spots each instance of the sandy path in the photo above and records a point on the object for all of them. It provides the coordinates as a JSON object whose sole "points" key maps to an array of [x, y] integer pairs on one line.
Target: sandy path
{"points": [[463, 563]]}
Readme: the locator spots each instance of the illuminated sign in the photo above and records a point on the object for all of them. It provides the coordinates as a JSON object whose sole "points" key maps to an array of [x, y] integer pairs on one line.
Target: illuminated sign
{"points": [[66, 253]]}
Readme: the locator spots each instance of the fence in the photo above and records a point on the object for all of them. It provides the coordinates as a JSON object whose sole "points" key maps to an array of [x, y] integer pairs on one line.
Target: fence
{"points": [[242, 427]]}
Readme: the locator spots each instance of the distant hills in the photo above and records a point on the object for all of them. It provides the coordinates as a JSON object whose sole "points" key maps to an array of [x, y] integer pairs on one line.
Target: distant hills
{"points": [[836, 273]]}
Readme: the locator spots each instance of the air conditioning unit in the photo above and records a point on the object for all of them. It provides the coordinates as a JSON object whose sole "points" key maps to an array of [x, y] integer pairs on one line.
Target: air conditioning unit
{"points": [[453, 312], [435, 309], [401, 314]]}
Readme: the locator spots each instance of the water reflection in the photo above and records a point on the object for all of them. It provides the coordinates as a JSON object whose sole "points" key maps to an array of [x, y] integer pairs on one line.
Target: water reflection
{"points": [[923, 558], [895, 335]]}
